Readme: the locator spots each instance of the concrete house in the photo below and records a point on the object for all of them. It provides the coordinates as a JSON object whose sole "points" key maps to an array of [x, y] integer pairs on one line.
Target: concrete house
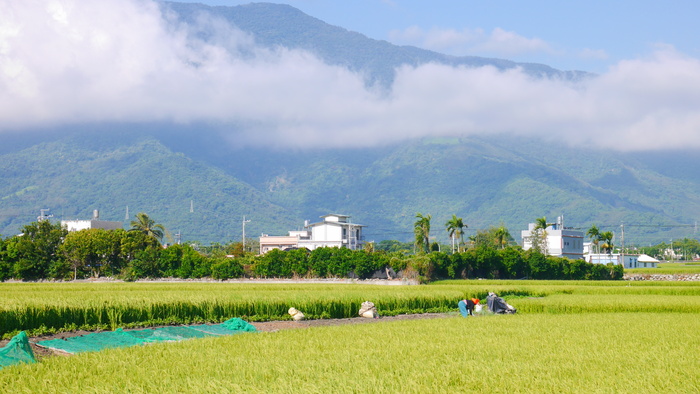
{"points": [[626, 260], [561, 241], [95, 222], [646, 261], [333, 231]]}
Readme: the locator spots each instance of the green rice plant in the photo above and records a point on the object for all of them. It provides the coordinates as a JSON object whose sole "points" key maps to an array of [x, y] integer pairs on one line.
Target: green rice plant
{"points": [[668, 268], [56, 306], [115, 318], [62, 306], [573, 353], [590, 303]]}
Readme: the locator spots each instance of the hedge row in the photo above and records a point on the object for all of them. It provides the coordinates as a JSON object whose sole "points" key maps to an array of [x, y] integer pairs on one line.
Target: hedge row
{"points": [[43, 252]]}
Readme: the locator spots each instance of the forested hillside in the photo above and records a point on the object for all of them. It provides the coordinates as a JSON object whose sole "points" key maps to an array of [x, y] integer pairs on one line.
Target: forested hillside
{"points": [[73, 176], [487, 182]]}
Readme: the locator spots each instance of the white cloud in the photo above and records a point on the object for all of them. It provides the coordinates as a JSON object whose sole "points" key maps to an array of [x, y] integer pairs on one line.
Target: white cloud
{"points": [[470, 41], [63, 62]]}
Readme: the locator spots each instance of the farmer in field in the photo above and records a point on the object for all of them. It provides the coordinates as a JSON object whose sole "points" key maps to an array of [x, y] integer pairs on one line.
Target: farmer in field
{"points": [[466, 307], [498, 305]]}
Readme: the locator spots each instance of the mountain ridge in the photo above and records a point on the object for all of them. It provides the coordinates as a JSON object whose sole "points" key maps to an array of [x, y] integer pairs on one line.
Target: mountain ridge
{"points": [[282, 25]]}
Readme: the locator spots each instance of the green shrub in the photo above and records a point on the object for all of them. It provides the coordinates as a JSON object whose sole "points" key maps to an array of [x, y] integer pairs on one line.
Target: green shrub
{"points": [[226, 268]]}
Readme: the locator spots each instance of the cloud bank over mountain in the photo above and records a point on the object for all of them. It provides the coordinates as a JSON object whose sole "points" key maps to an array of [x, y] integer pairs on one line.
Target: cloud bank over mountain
{"points": [[68, 62]]}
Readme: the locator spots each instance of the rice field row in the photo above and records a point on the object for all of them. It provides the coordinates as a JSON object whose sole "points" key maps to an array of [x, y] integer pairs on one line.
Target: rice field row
{"points": [[51, 307], [563, 353], [685, 268]]}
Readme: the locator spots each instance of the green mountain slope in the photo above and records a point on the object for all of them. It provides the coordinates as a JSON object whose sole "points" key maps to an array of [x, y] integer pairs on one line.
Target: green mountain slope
{"points": [[73, 176], [485, 181]]}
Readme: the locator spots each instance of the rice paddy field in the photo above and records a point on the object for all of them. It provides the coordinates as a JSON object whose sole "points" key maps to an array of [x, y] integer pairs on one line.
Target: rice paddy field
{"points": [[682, 268], [566, 337]]}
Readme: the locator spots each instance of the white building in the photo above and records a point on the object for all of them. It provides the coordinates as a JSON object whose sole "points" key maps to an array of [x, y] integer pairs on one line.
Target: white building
{"points": [[627, 260], [95, 222], [561, 241], [334, 231], [646, 261]]}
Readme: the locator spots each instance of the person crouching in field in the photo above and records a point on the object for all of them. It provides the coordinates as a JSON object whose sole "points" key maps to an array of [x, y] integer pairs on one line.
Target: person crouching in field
{"points": [[466, 307]]}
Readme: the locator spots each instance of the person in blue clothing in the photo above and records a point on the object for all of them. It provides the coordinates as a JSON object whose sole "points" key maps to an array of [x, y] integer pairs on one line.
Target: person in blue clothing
{"points": [[466, 307]]}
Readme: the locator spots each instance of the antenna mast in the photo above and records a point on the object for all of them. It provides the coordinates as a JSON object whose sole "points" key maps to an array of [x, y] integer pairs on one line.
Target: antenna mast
{"points": [[43, 216]]}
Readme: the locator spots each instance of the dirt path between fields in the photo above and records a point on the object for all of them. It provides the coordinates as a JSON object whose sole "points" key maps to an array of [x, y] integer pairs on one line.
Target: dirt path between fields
{"points": [[270, 326]]}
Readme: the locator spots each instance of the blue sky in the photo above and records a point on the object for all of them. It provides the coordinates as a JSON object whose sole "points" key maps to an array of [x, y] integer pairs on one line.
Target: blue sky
{"points": [[583, 35], [65, 62]]}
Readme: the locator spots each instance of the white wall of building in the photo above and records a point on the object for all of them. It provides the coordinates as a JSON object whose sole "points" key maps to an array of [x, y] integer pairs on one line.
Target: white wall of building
{"points": [[77, 225], [324, 232], [627, 260]]}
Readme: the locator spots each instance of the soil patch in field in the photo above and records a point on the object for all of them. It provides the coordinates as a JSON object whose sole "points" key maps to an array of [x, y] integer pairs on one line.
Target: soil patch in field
{"points": [[41, 352], [272, 326]]}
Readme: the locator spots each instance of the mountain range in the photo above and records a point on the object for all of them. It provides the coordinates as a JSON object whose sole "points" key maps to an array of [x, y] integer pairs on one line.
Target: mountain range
{"points": [[199, 184]]}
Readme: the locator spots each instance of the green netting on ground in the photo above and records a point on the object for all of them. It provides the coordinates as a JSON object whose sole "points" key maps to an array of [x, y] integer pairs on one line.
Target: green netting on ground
{"points": [[238, 325], [120, 338], [225, 328], [169, 334], [215, 329], [17, 351], [93, 342]]}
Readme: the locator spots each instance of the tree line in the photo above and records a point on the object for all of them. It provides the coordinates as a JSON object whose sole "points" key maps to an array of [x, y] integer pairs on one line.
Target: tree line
{"points": [[46, 250]]}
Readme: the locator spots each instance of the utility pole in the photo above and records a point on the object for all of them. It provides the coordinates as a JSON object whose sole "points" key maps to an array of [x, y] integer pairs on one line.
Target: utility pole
{"points": [[43, 216], [244, 222], [622, 240]]}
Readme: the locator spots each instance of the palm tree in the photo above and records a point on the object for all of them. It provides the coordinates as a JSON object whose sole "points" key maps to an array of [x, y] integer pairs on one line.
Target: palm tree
{"points": [[607, 238], [502, 236], [455, 228], [421, 229], [594, 234], [148, 226], [539, 235]]}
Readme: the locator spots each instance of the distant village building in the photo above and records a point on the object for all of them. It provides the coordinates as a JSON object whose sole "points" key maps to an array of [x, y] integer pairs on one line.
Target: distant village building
{"points": [[645, 261], [334, 231], [95, 222], [626, 260], [560, 241]]}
